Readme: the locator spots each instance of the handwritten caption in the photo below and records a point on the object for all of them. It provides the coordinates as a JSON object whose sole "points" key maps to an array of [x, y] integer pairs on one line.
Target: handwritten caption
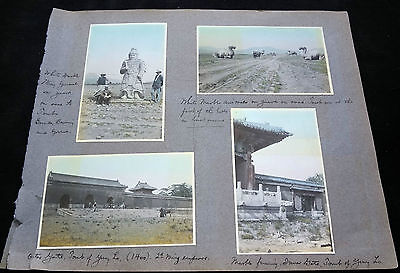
{"points": [[98, 258], [214, 112], [55, 93], [306, 262]]}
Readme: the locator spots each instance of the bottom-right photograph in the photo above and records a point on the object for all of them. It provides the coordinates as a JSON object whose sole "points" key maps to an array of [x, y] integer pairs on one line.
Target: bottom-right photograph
{"points": [[280, 188]]}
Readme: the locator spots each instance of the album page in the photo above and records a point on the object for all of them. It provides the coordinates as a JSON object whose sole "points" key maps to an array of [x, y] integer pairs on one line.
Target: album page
{"points": [[199, 140]]}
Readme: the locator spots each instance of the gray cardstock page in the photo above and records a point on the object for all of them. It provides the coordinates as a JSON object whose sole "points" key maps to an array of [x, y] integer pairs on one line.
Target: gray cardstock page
{"points": [[200, 125]]}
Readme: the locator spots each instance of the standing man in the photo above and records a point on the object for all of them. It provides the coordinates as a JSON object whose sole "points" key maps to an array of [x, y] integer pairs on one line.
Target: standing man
{"points": [[156, 87], [132, 70], [102, 80]]}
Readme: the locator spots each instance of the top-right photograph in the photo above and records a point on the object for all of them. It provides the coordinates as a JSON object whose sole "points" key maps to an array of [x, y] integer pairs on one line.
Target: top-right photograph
{"points": [[262, 60]]}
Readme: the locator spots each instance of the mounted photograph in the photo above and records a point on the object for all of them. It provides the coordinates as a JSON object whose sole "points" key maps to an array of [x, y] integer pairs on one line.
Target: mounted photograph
{"points": [[118, 200], [262, 60], [124, 81], [280, 189]]}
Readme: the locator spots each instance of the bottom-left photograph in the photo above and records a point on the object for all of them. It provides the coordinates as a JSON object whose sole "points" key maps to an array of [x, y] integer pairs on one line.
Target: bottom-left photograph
{"points": [[118, 200]]}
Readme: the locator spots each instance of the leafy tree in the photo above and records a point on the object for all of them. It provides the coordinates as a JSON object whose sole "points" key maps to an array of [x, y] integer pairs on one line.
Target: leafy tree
{"points": [[163, 191], [316, 179], [182, 190]]}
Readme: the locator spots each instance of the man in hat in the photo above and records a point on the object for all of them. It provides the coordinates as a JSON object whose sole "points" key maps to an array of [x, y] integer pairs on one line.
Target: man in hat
{"points": [[102, 80], [132, 70], [103, 94], [156, 87]]}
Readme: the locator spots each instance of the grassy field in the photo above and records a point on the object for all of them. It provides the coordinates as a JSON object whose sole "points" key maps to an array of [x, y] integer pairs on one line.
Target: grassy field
{"points": [[112, 227], [121, 119], [295, 235]]}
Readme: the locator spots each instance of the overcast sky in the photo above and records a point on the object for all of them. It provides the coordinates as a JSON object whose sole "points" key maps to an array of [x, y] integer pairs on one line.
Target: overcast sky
{"points": [[158, 170], [109, 45], [243, 37], [298, 156]]}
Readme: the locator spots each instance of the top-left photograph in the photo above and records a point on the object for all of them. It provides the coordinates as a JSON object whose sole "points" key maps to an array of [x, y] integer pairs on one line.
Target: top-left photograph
{"points": [[124, 82]]}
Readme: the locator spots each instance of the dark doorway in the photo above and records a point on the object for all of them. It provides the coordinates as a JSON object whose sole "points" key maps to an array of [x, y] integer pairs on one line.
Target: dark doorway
{"points": [[89, 200], [307, 203], [110, 202], [64, 201]]}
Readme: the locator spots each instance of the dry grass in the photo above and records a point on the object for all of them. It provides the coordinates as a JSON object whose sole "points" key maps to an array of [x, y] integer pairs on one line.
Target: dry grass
{"points": [[299, 234], [121, 119], [116, 227]]}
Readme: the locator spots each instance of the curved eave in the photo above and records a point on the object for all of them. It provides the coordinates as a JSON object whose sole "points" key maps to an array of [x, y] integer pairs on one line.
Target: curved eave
{"points": [[258, 137]]}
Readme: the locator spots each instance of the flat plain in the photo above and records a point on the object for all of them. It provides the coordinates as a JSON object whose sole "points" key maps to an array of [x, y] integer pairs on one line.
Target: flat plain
{"points": [[267, 74], [111, 227]]}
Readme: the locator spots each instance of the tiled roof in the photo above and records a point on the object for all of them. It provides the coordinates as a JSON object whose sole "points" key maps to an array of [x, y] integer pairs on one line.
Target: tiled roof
{"points": [[142, 185], [260, 126], [287, 181], [256, 135], [77, 179]]}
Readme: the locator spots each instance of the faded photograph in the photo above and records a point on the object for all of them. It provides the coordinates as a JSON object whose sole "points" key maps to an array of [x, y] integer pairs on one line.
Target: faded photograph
{"points": [[258, 59], [118, 200], [280, 189], [123, 90]]}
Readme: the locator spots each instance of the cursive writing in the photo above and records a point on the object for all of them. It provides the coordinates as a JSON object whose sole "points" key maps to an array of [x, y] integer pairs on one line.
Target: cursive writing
{"points": [[54, 100]]}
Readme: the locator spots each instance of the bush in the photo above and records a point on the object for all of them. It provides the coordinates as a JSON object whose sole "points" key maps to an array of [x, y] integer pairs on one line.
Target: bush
{"points": [[278, 225], [247, 236]]}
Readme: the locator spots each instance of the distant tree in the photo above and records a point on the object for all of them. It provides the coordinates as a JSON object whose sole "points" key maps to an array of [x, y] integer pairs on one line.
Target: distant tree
{"points": [[182, 190], [316, 179], [163, 191]]}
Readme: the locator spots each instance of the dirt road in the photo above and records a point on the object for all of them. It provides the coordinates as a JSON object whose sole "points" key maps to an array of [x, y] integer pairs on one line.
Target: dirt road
{"points": [[269, 74], [121, 119]]}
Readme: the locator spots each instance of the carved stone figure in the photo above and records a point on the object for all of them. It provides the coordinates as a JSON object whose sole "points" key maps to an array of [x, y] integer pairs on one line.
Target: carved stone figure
{"points": [[132, 70]]}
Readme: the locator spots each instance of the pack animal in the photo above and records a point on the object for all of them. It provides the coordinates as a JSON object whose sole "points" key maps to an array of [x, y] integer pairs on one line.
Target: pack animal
{"points": [[258, 54], [312, 54], [227, 54]]}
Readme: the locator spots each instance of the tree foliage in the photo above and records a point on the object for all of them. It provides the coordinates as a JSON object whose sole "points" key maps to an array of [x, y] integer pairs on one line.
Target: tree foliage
{"points": [[181, 190], [316, 179]]}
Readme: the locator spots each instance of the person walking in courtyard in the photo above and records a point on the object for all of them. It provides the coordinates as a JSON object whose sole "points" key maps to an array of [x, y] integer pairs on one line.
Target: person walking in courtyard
{"points": [[94, 206], [156, 87], [162, 212], [132, 70]]}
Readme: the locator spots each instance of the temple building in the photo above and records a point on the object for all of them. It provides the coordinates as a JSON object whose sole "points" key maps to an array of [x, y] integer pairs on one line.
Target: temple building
{"points": [[67, 191], [142, 188], [142, 196], [265, 193], [75, 191], [250, 137]]}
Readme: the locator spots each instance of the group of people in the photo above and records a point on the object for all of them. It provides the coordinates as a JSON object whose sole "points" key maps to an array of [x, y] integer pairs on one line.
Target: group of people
{"points": [[109, 205], [132, 70], [103, 94]]}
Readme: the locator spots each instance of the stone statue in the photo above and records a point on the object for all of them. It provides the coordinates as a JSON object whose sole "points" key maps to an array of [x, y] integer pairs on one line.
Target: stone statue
{"points": [[132, 69]]}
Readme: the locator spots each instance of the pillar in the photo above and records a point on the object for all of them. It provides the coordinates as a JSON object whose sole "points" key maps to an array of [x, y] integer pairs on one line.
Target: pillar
{"points": [[239, 193]]}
